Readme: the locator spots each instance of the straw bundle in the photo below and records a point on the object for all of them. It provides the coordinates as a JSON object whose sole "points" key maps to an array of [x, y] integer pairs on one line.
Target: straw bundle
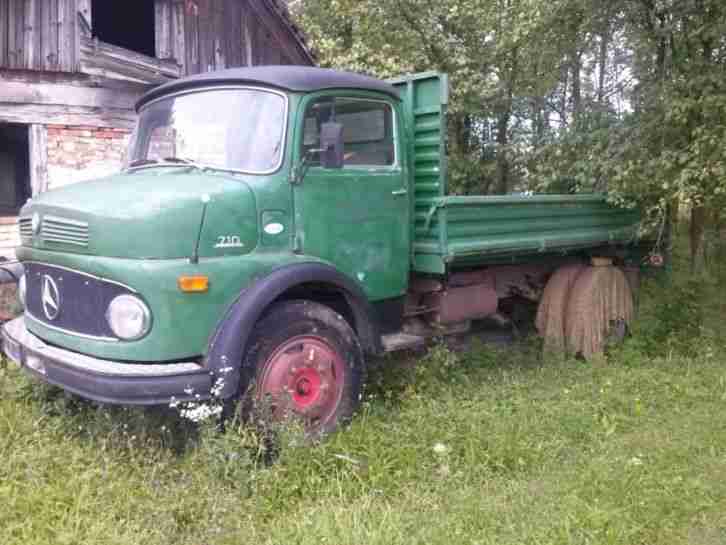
{"points": [[550, 321], [599, 298]]}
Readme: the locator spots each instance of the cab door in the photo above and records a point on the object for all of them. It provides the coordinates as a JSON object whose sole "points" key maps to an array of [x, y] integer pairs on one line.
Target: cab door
{"points": [[356, 217]]}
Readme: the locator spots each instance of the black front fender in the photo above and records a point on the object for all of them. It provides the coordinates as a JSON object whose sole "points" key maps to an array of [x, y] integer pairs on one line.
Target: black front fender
{"points": [[229, 340]]}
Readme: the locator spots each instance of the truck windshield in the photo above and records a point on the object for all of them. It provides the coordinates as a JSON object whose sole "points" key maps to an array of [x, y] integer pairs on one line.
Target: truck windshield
{"points": [[231, 129]]}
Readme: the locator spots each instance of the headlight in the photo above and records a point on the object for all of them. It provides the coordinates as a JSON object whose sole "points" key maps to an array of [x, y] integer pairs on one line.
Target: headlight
{"points": [[21, 290], [129, 317]]}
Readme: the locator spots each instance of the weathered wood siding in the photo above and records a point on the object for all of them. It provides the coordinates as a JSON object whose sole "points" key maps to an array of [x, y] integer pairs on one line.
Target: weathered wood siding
{"points": [[110, 61], [206, 35], [38, 35], [199, 35], [67, 99]]}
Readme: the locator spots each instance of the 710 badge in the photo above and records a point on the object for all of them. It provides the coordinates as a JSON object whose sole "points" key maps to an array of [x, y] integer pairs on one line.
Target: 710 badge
{"points": [[229, 241]]}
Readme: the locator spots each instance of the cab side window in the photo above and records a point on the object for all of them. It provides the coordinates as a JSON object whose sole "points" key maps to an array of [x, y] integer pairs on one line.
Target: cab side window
{"points": [[367, 130]]}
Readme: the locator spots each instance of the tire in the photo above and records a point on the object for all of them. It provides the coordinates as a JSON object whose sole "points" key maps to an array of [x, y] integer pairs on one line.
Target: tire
{"points": [[304, 362], [552, 309], [599, 311]]}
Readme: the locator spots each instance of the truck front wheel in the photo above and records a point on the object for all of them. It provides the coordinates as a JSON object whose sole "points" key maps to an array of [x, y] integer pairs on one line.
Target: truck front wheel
{"points": [[306, 363]]}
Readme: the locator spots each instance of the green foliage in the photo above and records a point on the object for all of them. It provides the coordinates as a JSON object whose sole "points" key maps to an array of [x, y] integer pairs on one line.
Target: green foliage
{"points": [[624, 96]]}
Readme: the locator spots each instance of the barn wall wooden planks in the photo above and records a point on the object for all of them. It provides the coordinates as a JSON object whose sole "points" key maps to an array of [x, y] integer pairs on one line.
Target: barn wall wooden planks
{"points": [[162, 26], [199, 35], [49, 34], [227, 33], [178, 34], [38, 34], [3, 32]]}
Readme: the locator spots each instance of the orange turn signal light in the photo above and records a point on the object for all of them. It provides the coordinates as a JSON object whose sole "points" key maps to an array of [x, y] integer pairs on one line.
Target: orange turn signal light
{"points": [[193, 284]]}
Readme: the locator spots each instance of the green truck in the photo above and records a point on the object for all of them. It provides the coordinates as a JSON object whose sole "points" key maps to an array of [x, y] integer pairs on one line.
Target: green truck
{"points": [[274, 228]]}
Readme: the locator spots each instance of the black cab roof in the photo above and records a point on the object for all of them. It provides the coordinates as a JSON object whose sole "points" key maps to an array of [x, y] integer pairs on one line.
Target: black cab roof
{"points": [[289, 78]]}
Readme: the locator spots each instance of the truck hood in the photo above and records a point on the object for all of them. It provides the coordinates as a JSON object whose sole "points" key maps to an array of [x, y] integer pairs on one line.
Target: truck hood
{"points": [[147, 214]]}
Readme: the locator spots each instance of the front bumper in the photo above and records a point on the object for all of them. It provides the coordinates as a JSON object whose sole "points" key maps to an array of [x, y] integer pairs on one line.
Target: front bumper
{"points": [[103, 380]]}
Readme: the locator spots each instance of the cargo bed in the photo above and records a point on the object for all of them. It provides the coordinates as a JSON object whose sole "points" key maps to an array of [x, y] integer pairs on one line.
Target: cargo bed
{"points": [[465, 231], [461, 231]]}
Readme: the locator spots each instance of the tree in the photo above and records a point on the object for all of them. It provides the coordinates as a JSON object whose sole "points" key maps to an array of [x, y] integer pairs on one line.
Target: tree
{"points": [[627, 96]]}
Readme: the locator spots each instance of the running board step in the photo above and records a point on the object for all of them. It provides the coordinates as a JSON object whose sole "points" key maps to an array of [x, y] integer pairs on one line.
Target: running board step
{"points": [[401, 341]]}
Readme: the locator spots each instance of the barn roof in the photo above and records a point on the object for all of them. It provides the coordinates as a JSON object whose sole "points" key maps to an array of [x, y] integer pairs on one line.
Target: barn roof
{"points": [[290, 78], [280, 7]]}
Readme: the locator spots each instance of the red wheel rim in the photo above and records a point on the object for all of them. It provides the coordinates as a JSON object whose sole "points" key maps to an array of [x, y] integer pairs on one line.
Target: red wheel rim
{"points": [[303, 377]]}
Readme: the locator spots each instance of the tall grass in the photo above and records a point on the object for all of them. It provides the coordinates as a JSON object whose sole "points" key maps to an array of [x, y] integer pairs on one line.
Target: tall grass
{"points": [[493, 445]]}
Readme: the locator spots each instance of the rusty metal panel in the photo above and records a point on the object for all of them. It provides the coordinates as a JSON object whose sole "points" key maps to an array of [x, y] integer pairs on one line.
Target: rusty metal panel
{"points": [[464, 303]]}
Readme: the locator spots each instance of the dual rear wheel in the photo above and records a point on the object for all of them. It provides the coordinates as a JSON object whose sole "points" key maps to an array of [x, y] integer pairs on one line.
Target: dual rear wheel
{"points": [[584, 309]]}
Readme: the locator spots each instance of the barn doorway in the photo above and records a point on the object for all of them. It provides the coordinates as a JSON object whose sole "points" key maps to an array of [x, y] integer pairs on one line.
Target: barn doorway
{"points": [[14, 184], [128, 24], [14, 168]]}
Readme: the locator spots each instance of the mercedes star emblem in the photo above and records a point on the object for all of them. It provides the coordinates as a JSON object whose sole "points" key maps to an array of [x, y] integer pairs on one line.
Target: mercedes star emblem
{"points": [[50, 298]]}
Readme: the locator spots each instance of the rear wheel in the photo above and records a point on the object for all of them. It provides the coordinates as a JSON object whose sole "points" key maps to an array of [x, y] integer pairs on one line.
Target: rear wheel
{"points": [[552, 309], [306, 364], [599, 311]]}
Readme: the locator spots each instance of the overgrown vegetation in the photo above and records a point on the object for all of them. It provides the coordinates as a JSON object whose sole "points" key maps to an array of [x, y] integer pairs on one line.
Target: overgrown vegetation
{"points": [[561, 95], [491, 445]]}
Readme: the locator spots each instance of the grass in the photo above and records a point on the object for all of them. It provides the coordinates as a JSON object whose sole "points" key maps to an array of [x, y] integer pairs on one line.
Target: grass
{"points": [[488, 446]]}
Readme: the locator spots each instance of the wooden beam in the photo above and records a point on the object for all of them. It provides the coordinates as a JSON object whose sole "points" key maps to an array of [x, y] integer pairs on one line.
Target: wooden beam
{"points": [[66, 78], [14, 92], [102, 59], [38, 140], [66, 115]]}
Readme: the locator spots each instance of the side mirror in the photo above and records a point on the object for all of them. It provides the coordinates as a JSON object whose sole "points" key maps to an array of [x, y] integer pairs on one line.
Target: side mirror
{"points": [[331, 144]]}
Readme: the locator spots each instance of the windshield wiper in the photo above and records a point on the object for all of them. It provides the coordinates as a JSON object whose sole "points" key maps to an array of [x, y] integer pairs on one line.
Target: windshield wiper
{"points": [[142, 162], [179, 160], [175, 161], [184, 161]]}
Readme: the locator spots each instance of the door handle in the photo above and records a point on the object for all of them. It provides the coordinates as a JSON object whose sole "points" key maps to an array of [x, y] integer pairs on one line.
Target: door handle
{"points": [[399, 192]]}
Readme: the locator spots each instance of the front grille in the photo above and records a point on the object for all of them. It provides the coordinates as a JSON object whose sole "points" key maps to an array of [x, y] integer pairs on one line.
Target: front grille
{"points": [[54, 229], [78, 303], [64, 231], [26, 227]]}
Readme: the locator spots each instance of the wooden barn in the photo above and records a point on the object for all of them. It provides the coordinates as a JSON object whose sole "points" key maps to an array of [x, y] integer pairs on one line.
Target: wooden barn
{"points": [[71, 71]]}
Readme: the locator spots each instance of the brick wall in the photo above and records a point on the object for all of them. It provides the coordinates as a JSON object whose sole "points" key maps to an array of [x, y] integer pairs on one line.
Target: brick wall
{"points": [[75, 154], [78, 153]]}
